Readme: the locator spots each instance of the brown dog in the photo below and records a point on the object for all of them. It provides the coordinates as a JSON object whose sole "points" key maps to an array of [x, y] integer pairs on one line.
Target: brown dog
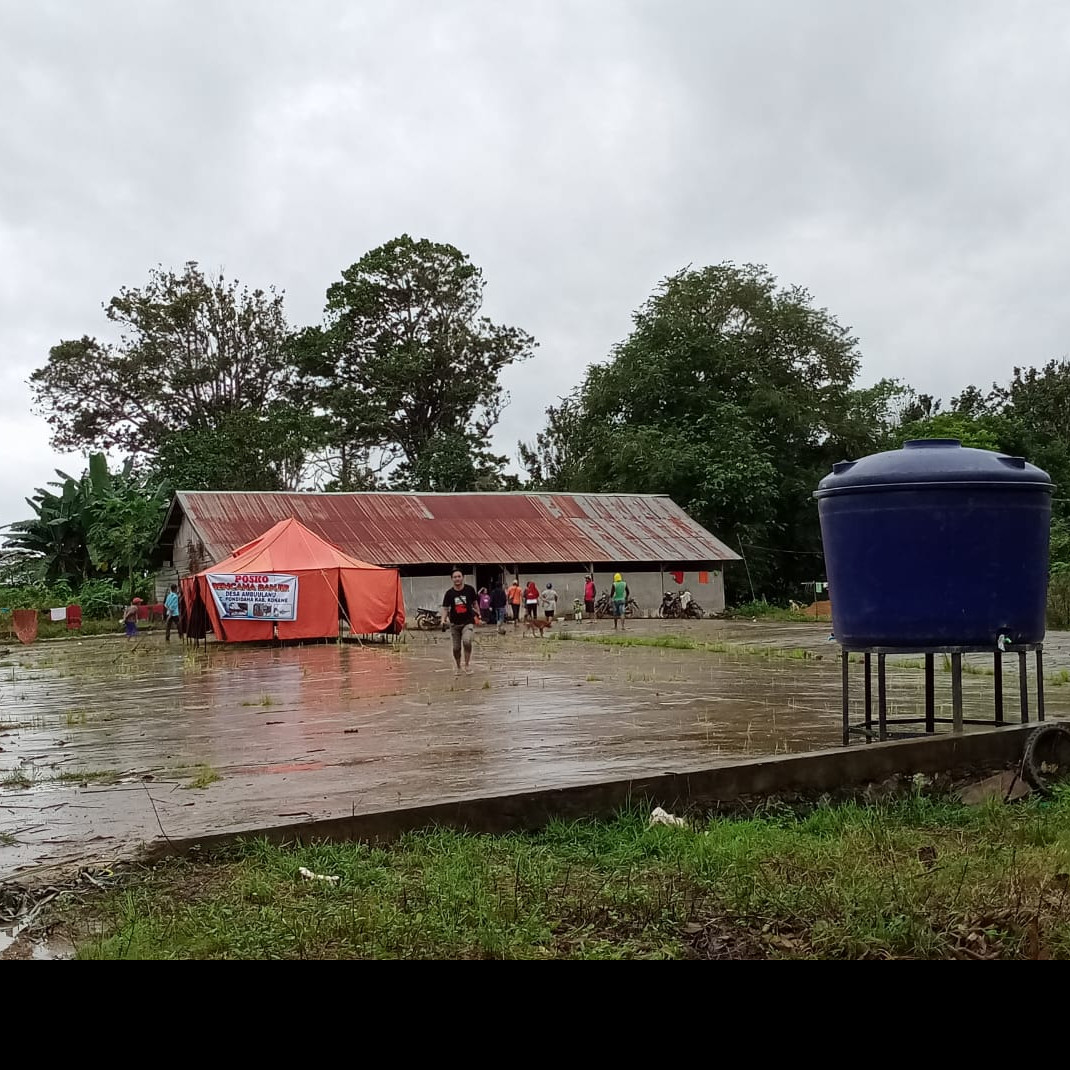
{"points": [[542, 625]]}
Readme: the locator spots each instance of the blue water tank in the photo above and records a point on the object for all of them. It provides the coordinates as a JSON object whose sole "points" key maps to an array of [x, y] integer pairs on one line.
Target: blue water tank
{"points": [[936, 545]]}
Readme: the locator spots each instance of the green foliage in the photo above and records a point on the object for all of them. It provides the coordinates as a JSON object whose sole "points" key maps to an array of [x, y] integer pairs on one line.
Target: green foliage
{"points": [[983, 432], [733, 396], [918, 877], [98, 527], [197, 356], [407, 368]]}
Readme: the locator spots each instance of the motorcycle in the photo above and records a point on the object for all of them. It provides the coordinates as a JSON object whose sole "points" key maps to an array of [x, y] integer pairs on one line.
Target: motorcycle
{"points": [[604, 608], [679, 605], [428, 620]]}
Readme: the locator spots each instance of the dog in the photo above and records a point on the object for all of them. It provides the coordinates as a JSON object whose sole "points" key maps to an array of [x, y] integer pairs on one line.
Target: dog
{"points": [[541, 625]]}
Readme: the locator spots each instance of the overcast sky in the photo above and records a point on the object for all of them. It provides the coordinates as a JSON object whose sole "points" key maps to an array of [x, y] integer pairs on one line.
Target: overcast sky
{"points": [[907, 162]]}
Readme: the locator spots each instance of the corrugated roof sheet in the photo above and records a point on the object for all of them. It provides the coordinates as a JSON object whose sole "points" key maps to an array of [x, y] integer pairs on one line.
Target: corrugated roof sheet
{"points": [[442, 529]]}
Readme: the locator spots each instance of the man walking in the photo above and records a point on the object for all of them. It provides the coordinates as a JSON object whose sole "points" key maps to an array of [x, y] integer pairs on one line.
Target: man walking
{"points": [[590, 592], [460, 606], [170, 612], [620, 601], [498, 601]]}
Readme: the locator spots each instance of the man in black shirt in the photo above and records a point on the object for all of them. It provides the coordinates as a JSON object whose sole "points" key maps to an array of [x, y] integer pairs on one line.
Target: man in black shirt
{"points": [[460, 606]]}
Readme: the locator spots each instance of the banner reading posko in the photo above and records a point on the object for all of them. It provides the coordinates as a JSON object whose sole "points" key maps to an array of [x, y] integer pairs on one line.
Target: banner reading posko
{"points": [[267, 596]]}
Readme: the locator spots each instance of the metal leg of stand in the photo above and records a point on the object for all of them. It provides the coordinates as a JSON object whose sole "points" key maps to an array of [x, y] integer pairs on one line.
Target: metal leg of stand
{"points": [[882, 699], [846, 701], [997, 677], [956, 693], [869, 692], [1040, 684], [930, 694], [1023, 684]]}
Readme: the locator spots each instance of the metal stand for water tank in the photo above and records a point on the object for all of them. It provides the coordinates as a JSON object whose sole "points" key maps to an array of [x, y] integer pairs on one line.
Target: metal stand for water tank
{"points": [[891, 727]]}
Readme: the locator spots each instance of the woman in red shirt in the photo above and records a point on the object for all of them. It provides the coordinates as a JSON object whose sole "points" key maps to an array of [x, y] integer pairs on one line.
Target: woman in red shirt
{"points": [[531, 600]]}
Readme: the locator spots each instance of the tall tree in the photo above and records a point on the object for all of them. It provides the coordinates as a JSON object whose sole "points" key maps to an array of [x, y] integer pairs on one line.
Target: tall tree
{"points": [[733, 395], [406, 367], [196, 356]]}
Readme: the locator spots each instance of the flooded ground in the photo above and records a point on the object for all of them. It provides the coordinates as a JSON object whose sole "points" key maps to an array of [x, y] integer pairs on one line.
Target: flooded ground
{"points": [[106, 744]]}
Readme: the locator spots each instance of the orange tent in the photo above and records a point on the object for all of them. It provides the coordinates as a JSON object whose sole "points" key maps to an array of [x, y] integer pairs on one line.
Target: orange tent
{"points": [[292, 581]]}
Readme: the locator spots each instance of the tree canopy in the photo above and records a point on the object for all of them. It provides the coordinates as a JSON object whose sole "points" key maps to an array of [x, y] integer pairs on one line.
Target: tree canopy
{"points": [[201, 366], [407, 367], [733, 395]]}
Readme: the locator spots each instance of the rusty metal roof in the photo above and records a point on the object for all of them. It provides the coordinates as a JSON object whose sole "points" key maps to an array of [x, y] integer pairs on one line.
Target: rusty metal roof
{"points": [[444, 529]]}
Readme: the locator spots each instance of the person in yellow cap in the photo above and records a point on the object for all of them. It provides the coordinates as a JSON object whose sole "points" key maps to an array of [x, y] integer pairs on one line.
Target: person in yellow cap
{"points": [[620, 601]]}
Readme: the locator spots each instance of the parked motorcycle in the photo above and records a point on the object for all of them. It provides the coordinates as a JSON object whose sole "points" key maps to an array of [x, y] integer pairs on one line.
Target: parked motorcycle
{"points": [[604, 607], [428, 620], [679, 605]]}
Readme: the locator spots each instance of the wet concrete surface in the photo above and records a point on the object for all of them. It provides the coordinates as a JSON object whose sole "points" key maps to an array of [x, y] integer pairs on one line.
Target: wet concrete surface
{"points": [[114, 737]]}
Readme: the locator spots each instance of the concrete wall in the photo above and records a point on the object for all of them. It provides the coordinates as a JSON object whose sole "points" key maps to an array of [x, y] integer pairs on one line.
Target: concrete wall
{"points": [[646, 587], [841, 771]]}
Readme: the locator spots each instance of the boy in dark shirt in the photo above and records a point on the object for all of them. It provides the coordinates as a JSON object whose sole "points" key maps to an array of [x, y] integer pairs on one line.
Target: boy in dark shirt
{"points": [[460, 606]]}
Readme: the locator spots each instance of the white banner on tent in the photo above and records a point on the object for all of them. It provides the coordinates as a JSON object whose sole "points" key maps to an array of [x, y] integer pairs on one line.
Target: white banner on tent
{"points": [[244, 596]]}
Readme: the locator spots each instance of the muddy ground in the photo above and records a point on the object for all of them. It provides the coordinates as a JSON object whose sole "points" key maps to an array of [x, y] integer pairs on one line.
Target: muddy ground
{"points": [[105, 744]]}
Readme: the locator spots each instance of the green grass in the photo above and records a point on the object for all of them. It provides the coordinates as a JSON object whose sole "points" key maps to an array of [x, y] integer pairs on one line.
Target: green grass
{"points": [[87, 776], [264, 700], [7, 839], [679, 642], [205, 778], [915, 878], [16, 779]]}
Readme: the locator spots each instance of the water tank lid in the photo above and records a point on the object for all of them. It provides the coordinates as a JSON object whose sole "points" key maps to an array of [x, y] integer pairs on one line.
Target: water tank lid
{"points": [[935, 462]]}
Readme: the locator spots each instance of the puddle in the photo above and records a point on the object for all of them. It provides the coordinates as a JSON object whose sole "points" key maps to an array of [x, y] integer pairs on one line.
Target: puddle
{"points": [[100, 739]]}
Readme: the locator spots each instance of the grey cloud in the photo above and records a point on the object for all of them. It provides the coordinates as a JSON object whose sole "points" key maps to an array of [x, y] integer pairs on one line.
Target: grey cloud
{"points": [[905, 162]]}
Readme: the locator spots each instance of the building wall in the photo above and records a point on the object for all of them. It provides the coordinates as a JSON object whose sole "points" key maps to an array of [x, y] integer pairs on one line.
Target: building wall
{"points": [[646, 587]]}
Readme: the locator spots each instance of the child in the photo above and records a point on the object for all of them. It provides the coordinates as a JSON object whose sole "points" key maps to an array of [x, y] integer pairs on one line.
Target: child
{"points": [[130, 618]]}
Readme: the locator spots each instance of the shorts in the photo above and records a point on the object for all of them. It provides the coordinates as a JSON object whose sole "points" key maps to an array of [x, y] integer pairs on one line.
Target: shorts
{"points": [[588, 606], [549, 614], [618, 609], [130, 627], [462, 633]]}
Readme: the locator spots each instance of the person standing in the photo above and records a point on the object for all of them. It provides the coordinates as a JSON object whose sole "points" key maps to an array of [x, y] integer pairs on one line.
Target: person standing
{"points": [[620, 601], [549, 601], [170, 612], [498, 602], [590, 593], [515, 595], [460, 607], [130, 618], [531, 600]]}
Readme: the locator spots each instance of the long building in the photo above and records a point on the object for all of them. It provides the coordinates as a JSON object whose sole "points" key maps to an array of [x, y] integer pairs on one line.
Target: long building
{"points": [[550, 538]]}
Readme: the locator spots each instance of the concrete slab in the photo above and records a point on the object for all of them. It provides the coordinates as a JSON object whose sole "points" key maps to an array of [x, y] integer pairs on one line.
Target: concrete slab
{"points": [[318, 733]]}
